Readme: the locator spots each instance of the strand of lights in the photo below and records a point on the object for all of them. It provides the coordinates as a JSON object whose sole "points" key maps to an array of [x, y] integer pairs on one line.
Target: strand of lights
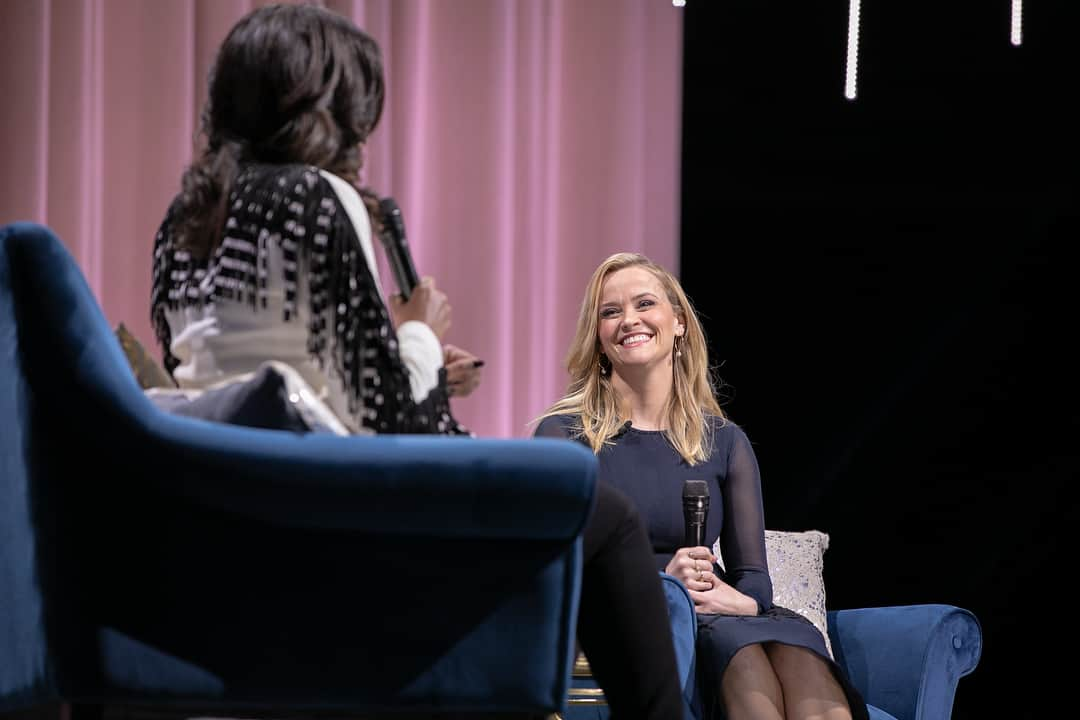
{"points": [[853, 49], [1017, 22]]}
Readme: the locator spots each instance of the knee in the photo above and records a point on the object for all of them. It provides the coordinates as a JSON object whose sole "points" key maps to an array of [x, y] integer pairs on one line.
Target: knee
{"points": [[748, 661], [793, 664], [792, 659], [750, 675]]}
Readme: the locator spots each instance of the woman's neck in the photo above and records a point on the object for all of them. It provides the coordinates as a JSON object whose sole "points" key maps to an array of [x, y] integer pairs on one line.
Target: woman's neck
{"points": [[645, 398]]}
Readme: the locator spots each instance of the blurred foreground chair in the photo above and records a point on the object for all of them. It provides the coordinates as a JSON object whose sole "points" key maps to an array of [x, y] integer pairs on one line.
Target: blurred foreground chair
{"points": [[156, 563]]}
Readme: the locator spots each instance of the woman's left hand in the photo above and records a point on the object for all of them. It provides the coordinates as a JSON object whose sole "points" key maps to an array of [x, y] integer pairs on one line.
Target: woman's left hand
{"points": [[462, 370], [722, 599], [694, 567]]}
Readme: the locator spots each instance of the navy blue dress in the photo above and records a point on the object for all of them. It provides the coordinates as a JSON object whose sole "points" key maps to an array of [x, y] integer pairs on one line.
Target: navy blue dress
{"points": [[647, 469]]}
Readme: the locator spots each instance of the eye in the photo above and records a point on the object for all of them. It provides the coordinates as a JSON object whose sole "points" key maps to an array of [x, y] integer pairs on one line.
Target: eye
{"points": [[646, 302], [609, 312]]}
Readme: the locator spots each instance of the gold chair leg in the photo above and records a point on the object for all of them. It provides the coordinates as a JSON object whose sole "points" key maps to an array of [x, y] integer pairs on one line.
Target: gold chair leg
{"points": [[584, 696]]}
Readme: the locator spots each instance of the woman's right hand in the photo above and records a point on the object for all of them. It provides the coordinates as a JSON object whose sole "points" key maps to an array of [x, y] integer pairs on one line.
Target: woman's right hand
{"points": [[426, 304]]}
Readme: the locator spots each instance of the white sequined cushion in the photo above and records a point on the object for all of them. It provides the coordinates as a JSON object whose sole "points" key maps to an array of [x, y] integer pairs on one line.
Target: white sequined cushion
{"points": [[796, 567]]}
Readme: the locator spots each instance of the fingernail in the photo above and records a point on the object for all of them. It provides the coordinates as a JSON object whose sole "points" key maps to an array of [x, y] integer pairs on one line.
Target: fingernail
{"points": [[478, 363]]}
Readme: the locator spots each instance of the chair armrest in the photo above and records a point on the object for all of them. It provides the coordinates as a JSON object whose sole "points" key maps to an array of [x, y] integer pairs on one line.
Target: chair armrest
{"points": [[683, 631], [416, 485], [907, 660]]}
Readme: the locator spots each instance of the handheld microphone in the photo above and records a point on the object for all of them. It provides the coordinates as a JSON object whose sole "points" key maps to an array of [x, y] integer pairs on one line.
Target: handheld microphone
{"points": [[397, 247], [623, 429], [695, 498]]}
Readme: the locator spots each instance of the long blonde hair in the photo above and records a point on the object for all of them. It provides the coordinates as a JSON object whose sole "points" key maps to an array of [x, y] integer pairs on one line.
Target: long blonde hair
{"points": [[592, 399]]}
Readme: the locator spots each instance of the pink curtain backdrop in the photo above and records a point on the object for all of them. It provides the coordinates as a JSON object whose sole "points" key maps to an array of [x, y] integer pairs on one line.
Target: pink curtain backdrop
{"points": [[525, 140]]}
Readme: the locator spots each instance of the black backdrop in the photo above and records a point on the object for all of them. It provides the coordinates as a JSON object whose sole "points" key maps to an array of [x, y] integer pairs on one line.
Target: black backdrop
{"points": [[889, 290]]}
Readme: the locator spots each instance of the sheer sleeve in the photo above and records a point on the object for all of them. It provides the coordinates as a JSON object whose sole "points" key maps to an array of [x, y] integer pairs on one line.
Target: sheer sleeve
{"points": [[742, 537], [554, 426]]}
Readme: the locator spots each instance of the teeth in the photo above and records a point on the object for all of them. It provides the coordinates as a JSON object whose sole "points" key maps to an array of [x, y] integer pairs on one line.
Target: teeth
{"points": [[634, 339]]}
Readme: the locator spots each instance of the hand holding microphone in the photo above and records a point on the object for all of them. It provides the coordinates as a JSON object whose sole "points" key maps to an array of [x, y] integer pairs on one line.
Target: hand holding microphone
{"points": [[426, 304], [693, 563], [417, 299], [420, 300]]}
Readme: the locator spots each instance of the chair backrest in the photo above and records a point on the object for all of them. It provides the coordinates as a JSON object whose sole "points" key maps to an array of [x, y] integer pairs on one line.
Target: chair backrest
{"points": [[26, 300], [56, 347]]}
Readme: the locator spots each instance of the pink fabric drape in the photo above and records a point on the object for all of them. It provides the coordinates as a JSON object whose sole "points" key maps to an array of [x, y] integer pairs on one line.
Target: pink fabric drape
{"points": [[524, 141]]}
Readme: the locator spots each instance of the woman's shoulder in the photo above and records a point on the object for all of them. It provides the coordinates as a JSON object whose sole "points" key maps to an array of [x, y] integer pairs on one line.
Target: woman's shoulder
{"points": [[274, 196], [721, 425], [291, 180], [725, 432], [565, 425]]}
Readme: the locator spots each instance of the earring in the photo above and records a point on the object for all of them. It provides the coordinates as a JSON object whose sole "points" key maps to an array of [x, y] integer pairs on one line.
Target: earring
{"points": [[678, 352], [600, 364]]}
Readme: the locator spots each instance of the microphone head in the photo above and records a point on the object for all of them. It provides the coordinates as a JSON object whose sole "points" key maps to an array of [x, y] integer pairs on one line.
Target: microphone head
{"points": [[694, 489], [392, 217], [695, 500]]}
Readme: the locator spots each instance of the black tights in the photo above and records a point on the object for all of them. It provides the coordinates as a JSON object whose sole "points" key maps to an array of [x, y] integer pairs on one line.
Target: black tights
{"points": [[623, 624]]}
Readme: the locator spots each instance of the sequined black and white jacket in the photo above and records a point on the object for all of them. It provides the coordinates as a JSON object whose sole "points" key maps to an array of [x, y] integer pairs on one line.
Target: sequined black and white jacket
{"points": [[295, 281]]}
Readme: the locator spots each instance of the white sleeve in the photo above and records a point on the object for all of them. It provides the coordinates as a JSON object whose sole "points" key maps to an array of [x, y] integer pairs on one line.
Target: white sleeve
{"points": [[422, 354]]}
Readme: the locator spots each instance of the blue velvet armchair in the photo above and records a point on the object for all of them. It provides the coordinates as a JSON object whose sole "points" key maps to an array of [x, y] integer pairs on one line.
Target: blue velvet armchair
{"points": [[905, 660], [167, 563]]}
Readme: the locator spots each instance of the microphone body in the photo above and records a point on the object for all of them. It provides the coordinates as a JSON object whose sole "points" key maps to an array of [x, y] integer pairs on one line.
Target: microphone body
{"points": [[397, 247], [695, 511]]}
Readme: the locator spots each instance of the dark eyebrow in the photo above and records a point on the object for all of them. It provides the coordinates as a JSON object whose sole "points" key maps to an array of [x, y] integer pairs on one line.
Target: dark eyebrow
{"points": [[636, 297]]}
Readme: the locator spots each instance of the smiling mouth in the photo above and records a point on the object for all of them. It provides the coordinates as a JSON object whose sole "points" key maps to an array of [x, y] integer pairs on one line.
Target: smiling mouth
{"points": [[635, 340]]}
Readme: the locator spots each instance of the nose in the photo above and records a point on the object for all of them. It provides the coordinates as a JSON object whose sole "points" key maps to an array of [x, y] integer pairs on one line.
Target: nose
{"points": [[629, 318]]}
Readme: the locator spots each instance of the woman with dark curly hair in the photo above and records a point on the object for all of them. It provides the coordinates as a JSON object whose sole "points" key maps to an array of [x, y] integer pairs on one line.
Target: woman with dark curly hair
{"points": [[266, 256], [267, 253]]}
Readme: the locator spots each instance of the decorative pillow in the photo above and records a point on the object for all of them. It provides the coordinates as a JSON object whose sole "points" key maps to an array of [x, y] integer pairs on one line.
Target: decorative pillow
{"points": [[148, 371], [796, 568]]}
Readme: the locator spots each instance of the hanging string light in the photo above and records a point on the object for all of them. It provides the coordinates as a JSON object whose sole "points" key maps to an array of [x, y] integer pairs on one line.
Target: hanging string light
{"points": [[853, 49], [1017, 22]]}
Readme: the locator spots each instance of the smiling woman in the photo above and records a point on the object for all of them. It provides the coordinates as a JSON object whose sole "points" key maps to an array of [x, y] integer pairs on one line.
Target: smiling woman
{"points": [[629, 295], [638, 326], [641, 398]]}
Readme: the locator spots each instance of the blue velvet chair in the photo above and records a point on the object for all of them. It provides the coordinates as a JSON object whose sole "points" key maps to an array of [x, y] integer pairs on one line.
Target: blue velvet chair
{"points": [[179, 566], [905, 660]]}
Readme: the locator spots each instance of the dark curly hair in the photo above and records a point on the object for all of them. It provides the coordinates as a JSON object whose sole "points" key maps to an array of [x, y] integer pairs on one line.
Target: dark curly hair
{"points": [[290, 84]]}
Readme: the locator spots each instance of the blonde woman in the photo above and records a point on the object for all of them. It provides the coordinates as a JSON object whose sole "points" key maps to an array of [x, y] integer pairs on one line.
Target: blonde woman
{"points": [[640, 396]]}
